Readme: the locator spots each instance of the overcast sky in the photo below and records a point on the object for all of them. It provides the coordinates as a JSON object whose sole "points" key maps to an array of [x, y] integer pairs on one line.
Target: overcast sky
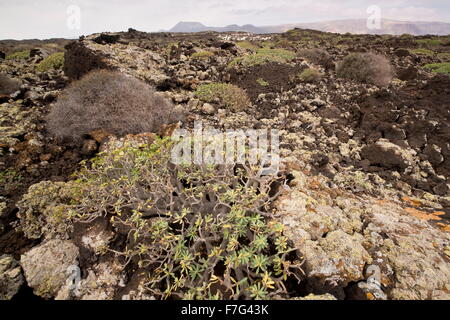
{"points": [[25, 19]]}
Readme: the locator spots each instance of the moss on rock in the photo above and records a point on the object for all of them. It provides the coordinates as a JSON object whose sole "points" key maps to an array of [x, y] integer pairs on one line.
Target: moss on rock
{"points": [[42, 212]]}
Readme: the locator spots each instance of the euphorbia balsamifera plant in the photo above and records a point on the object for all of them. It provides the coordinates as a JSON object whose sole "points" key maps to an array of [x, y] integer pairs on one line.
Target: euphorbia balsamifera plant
{"points": [[198, 232]]}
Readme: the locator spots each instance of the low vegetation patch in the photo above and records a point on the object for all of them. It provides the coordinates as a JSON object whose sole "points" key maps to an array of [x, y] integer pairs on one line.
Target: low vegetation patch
{"points": [[262, 82], [52, 62], [263, 56], [286, 55], [366, 68], [425, 52], [25, 54], [310, 75], [247, 45], [444, 55], [171, 46], [283, 43], [429, 42], [225, 94], [111, 101], [439, 67], [202, 55], [9, 176]]}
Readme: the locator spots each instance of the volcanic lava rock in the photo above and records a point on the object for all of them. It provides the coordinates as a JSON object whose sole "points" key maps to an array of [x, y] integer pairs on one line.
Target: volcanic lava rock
{"points": [[386, 154], [11, 278], [46, 265]]}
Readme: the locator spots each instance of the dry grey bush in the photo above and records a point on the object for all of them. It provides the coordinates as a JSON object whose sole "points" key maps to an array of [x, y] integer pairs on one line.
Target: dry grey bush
{"points": [[8, 85], [112, 101], [366, 67], [317, 56]]}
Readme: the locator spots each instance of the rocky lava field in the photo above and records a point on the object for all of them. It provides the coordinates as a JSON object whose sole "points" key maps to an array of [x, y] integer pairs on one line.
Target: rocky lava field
{"points": [[367, 164]]}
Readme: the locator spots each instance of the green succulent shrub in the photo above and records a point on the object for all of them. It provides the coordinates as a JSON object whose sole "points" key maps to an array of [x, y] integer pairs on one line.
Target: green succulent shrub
{"points": [[52, 62], [197, 232], [366, 68], [263, 56], [112, 101], [25, 54], [439, 67], [227, 95], [310, 75]]}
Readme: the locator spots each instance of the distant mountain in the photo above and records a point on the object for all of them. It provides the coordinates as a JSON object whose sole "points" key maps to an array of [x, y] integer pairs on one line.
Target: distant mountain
{"points": [[356, 26], [199, 27], [393, 27], [189, 27]]}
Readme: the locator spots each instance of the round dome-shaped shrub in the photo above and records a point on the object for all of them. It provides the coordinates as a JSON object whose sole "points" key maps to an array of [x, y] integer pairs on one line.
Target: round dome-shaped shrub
{"points": [[110, 101], [366, 68]]}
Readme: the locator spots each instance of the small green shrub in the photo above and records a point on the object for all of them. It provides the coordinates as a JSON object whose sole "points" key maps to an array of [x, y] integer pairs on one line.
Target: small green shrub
{"points": [[112, 101], [439, 67], [425, 52], [10, 181], [25, 54], [263, 56], [198, 232], [227, 95], [262, 82], [202, 55], [366, 68], [310, 75], [429, 42], [267, 44], [8, 85], [171, 46], [9, 176], [52, 62]]}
